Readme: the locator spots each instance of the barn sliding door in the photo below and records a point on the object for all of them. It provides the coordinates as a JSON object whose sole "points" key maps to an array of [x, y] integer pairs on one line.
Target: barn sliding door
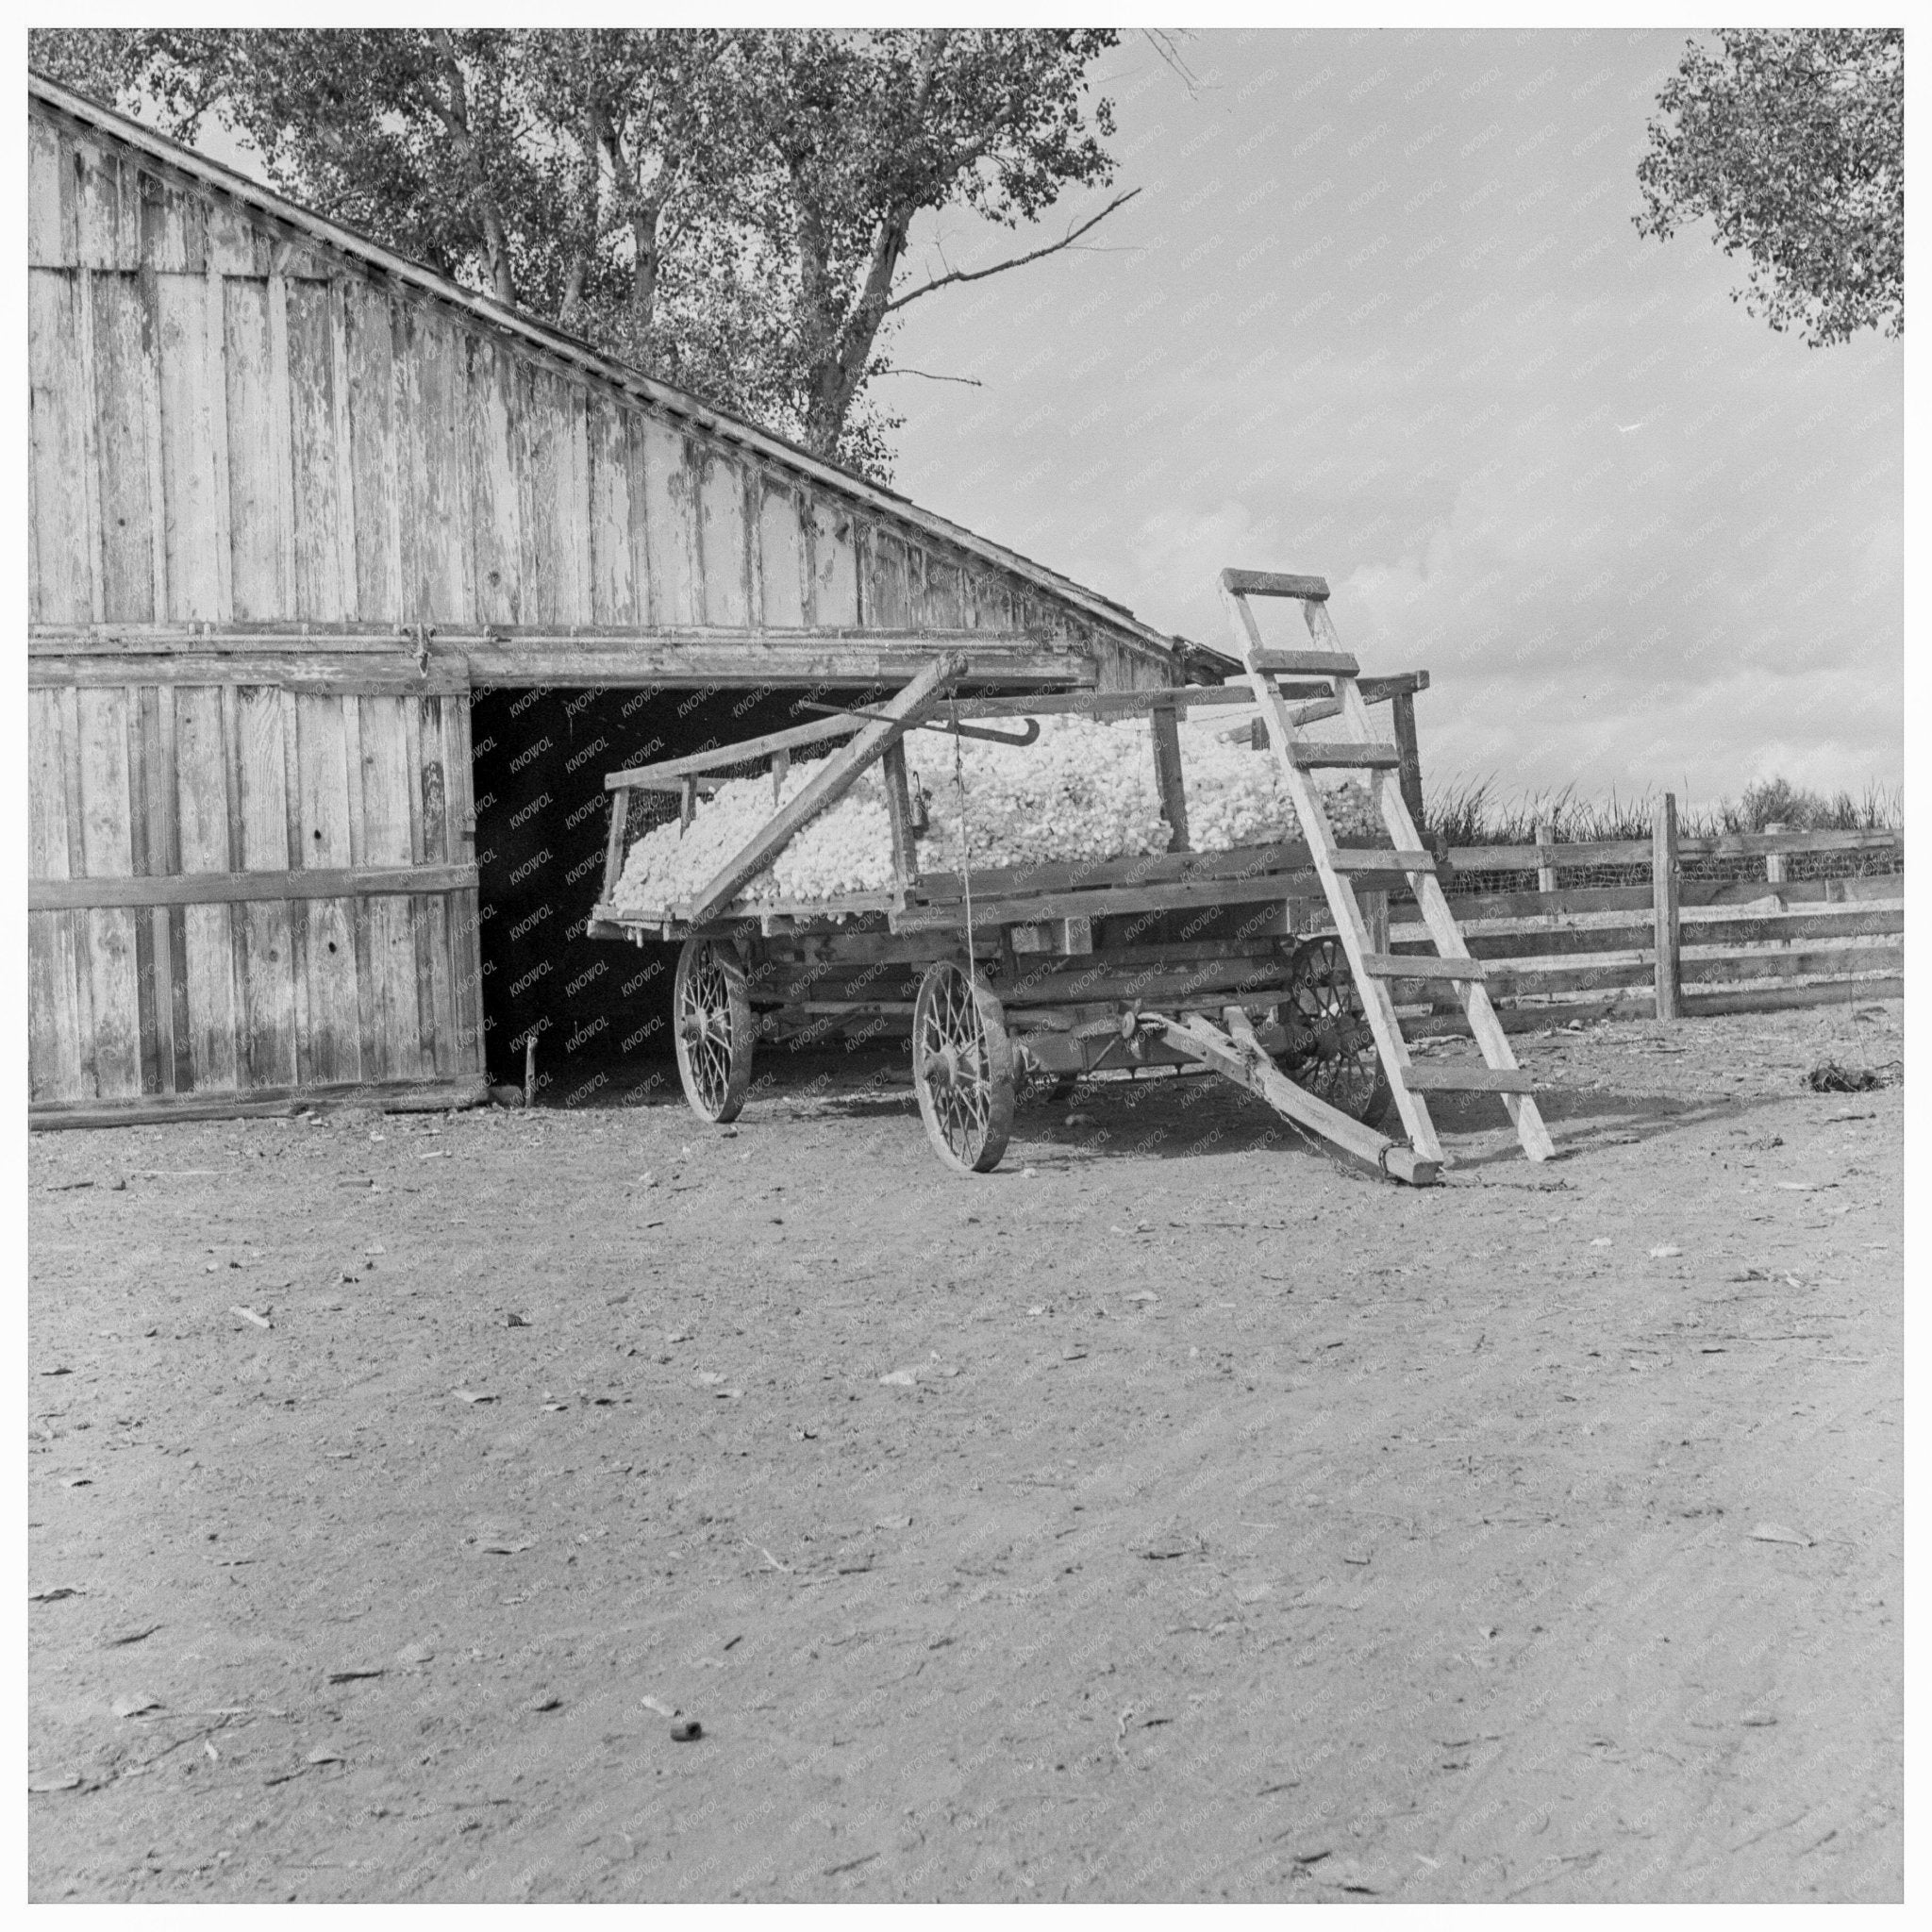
{"points": [[246, 894]]}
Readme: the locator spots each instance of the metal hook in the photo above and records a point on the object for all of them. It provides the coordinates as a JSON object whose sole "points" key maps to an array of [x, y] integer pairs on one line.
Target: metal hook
{"points": [[992, 736]]}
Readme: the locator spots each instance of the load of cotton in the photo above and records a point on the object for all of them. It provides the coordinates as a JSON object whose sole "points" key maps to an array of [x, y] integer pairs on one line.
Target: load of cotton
{"points": [[1239, 796], [1082, 791], [846, 849]]}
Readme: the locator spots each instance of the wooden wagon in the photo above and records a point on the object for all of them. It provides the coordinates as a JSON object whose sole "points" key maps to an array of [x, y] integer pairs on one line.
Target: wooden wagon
{"points": [[1007, 977]]}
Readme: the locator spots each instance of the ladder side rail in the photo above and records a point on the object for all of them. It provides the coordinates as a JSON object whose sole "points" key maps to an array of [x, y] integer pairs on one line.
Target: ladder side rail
{"points": [[1477, 1006], [1376, 1005]]}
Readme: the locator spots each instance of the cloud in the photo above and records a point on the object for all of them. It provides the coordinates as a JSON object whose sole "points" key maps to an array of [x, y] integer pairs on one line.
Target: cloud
{"points": [[1421, 395]]}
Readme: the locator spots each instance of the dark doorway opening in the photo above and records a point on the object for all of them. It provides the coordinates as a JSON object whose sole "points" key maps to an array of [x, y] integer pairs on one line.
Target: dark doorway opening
{"points": [[598, 1009]]}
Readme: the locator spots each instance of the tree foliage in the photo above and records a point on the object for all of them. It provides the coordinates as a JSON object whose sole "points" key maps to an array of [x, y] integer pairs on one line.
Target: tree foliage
{"points": [[729, 210], [1793, 141]]}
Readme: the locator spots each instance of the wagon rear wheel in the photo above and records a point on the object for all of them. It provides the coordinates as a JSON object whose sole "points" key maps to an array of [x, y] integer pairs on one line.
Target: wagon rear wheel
{"points": [[962, 1065], [1331, 1051], [711, 1010]]}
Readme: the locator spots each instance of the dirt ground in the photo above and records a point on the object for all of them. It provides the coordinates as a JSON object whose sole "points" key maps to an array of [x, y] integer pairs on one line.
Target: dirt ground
{"points": [[1169, 1515]]}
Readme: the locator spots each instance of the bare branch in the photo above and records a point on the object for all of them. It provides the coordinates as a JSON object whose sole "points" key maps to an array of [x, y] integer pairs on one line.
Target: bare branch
{"points": [[980, 274], [1167, 46], [970, 381]]}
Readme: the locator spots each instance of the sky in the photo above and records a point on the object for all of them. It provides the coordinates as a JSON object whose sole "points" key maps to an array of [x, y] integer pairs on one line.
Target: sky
{"points": [[1379, 312]]}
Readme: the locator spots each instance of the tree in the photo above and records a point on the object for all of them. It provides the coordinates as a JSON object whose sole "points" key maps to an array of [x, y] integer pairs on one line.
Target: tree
{"points": [[551, 170], [861, 134], [1793, 143], [728, 210]]}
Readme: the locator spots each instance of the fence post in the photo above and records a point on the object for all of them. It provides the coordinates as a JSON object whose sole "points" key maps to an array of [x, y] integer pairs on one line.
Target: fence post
{"points": [[1664, 890], [1545, 866], [1375, 917], [1774, 861]]}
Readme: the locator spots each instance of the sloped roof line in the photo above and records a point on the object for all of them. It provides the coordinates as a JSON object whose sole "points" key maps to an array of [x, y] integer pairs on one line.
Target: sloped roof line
{"points": [[225, 180]]}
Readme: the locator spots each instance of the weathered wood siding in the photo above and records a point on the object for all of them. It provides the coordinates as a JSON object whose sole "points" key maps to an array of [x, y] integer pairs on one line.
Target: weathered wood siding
{"points": [[264, 469], [231, 424], [252, 890]]}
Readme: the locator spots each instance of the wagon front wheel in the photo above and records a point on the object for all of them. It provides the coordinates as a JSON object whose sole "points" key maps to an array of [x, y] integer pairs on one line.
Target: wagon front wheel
{"points": [[962, 1065], [711, 1013], [1331, 1050]]}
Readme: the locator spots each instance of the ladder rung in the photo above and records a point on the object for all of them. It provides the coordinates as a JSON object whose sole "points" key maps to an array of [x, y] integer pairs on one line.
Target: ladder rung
{"points": [[1378, 859], [1275, 663], [1268, 583], [1422, 1079], [1419, 966], [1341, 752]]}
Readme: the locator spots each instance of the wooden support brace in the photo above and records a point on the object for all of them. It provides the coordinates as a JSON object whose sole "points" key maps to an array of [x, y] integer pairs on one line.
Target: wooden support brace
{"points": [[1401, 715], [750, 750], [828, 784], [899, 811], [1167, 774], [614, 843], [1248, 1066]]}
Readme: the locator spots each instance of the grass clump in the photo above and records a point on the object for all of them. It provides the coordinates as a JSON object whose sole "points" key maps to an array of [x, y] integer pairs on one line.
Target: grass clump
{"points": [[1479, 812]]}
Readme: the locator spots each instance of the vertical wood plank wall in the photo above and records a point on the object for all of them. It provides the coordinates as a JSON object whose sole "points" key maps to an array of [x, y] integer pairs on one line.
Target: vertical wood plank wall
{"points": [[229, 423], [235, 428], [213, 995]]}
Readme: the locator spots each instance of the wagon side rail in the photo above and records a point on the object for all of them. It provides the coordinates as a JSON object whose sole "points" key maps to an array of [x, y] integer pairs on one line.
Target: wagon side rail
{"points": [[880, 734], [872, 737]]}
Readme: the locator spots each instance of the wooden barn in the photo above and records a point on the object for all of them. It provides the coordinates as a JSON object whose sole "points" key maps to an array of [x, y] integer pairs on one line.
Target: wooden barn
{"points": [[347, 587]]}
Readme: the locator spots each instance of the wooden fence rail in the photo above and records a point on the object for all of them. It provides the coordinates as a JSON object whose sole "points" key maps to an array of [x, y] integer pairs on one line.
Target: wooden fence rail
{"points": [[1672, 946]]}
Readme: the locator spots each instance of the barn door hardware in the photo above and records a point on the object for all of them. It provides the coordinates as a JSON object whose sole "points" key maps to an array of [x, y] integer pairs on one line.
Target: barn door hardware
{"points": [[418, 636]]}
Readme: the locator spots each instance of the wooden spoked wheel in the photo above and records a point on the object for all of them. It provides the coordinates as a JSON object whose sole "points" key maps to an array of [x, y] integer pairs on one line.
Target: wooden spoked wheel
{"points": [[1331, 1050], [962, 1065], [711, 1012]]}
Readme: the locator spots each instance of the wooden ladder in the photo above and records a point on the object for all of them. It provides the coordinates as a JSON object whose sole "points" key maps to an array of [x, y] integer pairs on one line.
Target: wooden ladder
{"points": [[1345, 870]]}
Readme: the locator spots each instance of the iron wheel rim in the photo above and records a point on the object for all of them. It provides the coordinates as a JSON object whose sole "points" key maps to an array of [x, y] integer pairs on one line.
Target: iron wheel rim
{"points": [[963, 1066], [711, 1016]]}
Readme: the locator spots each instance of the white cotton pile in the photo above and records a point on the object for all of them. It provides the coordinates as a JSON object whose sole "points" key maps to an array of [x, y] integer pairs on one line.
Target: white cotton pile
{"points": [[1082, 791], [846, 849], [1239, 796]]}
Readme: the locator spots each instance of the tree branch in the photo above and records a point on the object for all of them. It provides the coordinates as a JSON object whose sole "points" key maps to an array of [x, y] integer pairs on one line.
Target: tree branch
{"points": [[970, 381], [980, 274], [1168, 46]]}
